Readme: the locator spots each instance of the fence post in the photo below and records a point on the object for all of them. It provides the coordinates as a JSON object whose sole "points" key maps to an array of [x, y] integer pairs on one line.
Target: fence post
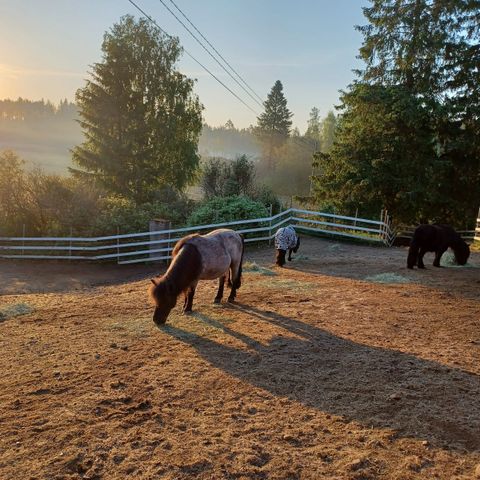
{"points": [[23, 240], [382, 223], [70, 245], [270, 226], [356, 216], [168, 244], [118, 245], [156, 226]]}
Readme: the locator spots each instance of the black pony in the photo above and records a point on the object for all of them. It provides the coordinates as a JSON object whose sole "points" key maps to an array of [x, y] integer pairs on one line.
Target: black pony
{"points": [[436, 238]]}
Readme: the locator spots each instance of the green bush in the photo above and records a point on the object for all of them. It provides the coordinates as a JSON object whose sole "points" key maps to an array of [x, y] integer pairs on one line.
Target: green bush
{"points": [[128, 217], [227, 209]]}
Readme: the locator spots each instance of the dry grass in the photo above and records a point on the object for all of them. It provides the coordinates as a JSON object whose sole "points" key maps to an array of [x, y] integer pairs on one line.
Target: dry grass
{"points": [[313, 374]]}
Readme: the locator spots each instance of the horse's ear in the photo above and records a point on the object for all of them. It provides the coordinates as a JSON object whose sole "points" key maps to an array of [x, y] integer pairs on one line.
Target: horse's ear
{"points": [[153, 281]]}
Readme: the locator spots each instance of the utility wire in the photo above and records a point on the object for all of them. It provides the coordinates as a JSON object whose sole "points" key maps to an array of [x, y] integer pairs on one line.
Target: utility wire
{"points": [[217, 52], [210, 53], [192, 57], [296, 140]]}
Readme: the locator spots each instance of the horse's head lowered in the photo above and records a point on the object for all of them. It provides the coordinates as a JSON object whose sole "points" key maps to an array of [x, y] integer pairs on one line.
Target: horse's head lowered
{"points": [[164, 297], [461, 251], [297, 245]]}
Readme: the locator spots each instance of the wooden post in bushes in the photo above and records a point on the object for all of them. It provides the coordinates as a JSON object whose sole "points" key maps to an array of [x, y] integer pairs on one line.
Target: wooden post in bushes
{"points": [[270, 222], [157, 225]]}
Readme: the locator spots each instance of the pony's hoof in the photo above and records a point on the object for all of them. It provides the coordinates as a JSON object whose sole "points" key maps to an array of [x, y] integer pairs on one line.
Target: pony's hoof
{"points": [[187, 312], [231, 300]]}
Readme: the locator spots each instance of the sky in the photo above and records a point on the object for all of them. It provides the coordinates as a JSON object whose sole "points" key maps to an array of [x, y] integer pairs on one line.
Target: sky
{"points": [[47, 48]]}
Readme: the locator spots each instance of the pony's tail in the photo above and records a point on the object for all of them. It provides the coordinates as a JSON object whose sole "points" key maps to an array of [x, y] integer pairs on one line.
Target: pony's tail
{"points": [[238, 280]]}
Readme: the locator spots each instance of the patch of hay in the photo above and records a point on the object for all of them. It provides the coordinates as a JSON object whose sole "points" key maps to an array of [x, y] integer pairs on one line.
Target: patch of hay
{"points": [[448, 260], [253, 267], [287, 284], [387, 278], [300, 257], [209, 325], [14, 310]]}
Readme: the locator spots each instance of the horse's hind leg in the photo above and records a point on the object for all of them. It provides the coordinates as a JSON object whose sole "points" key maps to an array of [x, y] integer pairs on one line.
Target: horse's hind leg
{"points": [[420, 258], [236, 273], [221, 284], [189, 299]]}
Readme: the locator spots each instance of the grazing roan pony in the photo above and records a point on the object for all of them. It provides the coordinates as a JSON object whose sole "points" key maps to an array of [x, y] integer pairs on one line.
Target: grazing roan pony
{"points": [[436, 238], [218, 254], [286, 239]]}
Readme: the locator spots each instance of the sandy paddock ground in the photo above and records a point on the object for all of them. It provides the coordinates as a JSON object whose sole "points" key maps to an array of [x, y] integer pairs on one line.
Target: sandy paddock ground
{"points": [[317, 372]]}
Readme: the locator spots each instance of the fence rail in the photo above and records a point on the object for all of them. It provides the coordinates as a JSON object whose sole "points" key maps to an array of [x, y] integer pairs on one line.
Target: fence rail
{"points": [[125, 250], [476, 234]]}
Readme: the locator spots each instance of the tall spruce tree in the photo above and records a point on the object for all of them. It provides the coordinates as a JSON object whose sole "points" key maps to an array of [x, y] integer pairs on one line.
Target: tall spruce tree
{"points": [[139, 115], [313, 128], [327, 131], [274, 124], [425, 55]]}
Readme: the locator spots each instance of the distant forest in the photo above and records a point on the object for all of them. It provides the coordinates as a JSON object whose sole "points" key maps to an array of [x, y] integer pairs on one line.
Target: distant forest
{"points": [[40, 132], [43, 134]]}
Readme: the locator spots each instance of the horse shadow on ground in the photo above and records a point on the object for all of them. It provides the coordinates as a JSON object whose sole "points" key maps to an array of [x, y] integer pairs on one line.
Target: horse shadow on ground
{"points": [[377, 387]]}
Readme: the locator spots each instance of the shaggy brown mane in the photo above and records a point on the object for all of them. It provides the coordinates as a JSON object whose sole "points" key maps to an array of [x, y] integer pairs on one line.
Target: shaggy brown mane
{"points": [[182, 242]]}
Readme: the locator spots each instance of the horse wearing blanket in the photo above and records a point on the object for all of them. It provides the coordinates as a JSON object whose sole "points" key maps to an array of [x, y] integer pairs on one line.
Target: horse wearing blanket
{"points": [[286, 239]]}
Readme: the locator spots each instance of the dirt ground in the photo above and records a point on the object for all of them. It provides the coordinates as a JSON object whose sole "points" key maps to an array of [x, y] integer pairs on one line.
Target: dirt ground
{"points": [[317, 372]]}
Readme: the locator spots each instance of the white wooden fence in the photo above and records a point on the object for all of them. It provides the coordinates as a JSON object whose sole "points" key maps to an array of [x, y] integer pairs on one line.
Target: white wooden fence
{"points": [[140, 247]]}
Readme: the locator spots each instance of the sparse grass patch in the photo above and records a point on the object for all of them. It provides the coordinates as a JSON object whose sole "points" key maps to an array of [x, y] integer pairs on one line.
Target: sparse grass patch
{"points": [[253, 267], [15, 310], [387, 278], [209, 322], [300, 257], [131, 327], [287, 283]]}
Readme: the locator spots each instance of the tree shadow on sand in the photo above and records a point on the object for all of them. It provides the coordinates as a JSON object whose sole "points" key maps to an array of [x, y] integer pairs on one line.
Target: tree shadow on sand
{"points": [[377, 387]]}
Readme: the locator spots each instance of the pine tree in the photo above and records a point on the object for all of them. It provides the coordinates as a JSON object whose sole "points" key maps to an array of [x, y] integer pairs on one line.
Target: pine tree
{"points": [[139, 115], [313, 128], [274, 124], [327, 131]]}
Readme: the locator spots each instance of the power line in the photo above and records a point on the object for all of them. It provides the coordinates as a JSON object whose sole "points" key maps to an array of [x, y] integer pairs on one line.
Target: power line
{"points": [[192, 57], [217, 52], [210, 53], [296, 140]]}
